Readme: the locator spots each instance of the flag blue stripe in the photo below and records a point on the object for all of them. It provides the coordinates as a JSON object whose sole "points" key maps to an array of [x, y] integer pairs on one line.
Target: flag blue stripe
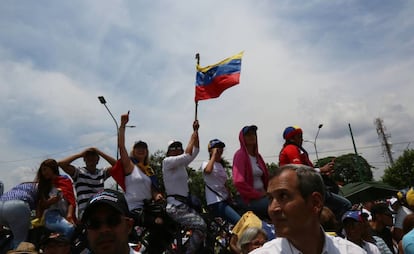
{"points": [[205, 78]]}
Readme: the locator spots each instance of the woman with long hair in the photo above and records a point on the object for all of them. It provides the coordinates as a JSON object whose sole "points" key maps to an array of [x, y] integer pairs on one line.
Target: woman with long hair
{"points": [[57, 201], [141, 186]]}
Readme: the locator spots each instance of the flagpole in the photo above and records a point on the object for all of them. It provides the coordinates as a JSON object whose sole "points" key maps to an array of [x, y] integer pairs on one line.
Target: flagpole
{"points": [[197, 56]]}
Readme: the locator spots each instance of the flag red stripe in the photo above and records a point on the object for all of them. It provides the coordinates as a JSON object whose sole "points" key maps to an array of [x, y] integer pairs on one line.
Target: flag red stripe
{"points": [[217, 86]]}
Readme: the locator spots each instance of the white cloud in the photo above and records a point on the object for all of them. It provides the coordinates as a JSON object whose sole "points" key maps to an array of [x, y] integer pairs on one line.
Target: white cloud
{"points": [[304, 64]]}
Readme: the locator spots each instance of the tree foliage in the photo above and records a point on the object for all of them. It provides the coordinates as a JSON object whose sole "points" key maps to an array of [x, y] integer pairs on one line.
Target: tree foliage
{"points": [[400, 175], [348, 168], [272, 167], [156, 164]]}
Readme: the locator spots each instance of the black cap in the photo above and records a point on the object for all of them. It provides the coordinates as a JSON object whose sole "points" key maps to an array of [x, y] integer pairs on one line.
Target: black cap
{"points": [[215, 143], [141, 144], [110, 197], [175, 144], [248, 128]]}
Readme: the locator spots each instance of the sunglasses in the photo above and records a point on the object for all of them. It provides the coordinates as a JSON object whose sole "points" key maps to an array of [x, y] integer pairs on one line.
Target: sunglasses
{"points": [[110, 221], [175, 148]]}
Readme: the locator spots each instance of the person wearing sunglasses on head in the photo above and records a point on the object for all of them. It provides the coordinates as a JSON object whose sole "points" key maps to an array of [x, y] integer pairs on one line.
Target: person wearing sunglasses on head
{"points": [[108, 223], [140, 185], [176, 187]]}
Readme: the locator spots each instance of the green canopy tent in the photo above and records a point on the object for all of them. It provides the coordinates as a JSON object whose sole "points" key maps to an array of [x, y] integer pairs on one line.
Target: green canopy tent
{"points": [[367, 191]]}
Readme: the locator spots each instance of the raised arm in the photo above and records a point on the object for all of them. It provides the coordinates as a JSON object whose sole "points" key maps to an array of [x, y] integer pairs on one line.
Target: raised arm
{"points": [[65, 164], [125, 160], [111, 160], [194, 140], [210, 165]]}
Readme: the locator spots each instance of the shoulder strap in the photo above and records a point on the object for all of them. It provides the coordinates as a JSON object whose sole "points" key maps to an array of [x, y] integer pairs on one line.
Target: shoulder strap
{"points": [[215, 192]]}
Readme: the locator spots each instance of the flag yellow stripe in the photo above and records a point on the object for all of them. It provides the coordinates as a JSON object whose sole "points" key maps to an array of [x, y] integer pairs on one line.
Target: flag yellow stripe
{"points": [[204, 69]]}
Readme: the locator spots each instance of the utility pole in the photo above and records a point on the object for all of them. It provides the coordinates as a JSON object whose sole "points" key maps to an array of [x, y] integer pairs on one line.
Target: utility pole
{"points": [[314, 143], [384, 139], [361, 175]]}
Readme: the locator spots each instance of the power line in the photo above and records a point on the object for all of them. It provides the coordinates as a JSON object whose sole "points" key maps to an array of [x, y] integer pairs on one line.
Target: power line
{"points": [[57, 153], [201, 160]]}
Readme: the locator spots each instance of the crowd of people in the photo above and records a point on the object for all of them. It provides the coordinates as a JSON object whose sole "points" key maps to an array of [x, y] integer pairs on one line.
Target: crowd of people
{"points": [[288, 211]]}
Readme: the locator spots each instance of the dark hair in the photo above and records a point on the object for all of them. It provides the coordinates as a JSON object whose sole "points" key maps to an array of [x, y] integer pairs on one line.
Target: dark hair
{"points": [[45, 185], [309, 180]]}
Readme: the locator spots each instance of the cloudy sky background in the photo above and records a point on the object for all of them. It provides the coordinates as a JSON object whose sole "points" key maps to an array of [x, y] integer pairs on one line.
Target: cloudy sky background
{"points": [[305, 63]]}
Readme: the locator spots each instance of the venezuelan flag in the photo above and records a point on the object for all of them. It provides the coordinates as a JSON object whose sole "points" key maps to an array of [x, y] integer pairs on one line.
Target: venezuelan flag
{"points": [[212, 80]]}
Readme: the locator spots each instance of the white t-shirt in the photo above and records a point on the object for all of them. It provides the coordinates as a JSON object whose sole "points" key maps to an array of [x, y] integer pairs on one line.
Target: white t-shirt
{"points": [[333, 245], [401, 214], [175, 174], [370, 248], [216, 180], [257, 174], [137, 188]]}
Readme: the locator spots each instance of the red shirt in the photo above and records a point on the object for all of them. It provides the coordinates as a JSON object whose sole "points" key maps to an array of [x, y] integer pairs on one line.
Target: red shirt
{"points": [[292, 154]]}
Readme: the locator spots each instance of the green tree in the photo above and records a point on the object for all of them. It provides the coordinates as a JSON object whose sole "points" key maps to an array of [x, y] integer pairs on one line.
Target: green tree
{"points": [[196, 182], [156, 164], [348, 168], [272, 167], [400, 175]]}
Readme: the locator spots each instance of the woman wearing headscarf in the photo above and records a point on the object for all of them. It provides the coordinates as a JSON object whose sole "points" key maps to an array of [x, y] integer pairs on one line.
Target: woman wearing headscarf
{"points": [[250, 174]]}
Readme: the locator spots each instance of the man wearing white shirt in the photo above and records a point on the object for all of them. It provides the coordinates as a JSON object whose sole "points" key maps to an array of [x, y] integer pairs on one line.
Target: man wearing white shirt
{"points": [[296, 198], [176, 187]]}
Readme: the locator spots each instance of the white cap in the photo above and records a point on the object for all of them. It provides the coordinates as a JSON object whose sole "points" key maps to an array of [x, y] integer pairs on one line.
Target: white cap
{"points": [[393, 200]]}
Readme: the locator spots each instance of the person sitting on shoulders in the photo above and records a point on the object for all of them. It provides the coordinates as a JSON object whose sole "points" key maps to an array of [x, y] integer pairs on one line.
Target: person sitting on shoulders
{"points": [[89, 179], [215, 179], [176, 187], [140, 188], [250, 174], [293, 152]]}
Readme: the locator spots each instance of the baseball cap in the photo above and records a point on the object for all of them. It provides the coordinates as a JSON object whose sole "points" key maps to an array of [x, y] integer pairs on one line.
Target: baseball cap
{"points": [[113, 198], [140, 144], [393, 200], [354, 215], [248, 128], [380, 208], [291, 131], [174, 144], [215, 143]]}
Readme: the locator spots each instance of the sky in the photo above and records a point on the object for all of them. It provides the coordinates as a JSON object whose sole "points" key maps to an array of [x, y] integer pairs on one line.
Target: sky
{"points": [[336, 63]]}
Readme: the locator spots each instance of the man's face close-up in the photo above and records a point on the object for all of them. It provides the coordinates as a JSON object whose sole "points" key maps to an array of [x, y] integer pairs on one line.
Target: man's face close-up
{"points": [[108, 230]]}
